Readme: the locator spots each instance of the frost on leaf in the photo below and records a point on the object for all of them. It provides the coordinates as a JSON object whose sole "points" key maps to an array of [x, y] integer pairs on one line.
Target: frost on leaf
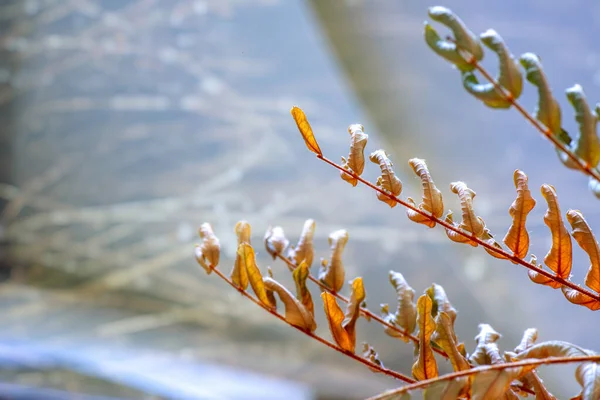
{"points": [[387, 181], [332, 273], [594, 186], [488, 238], [356, 159], [445, 337], [547, 110], [529, 338], [207, 254], [495, 384], [252, 274], [559, 259], [586, 145], [405, 316], [304, 249], [553, 348], [275, 241], [586, 240], [239, 274], [471, 222], [432, 197], [509, 76], [446, 389], [300, 275], [517, 238], [305, 130], [295, 313], [532, 380], [588, 376], [369, 353], [486, 336], [426, 366], [464, 39], [343, 325], [440, 302]]}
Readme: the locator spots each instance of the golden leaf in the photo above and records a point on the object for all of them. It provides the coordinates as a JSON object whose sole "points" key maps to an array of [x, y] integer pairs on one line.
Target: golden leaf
{"points": [[295, 313], [470, 223], [406, 312], [432, 197], [304, 249], [356, 158], [357, 296], [445, 337], [332, 274], [425, 367], [387, 181], [495, 384], [300, 275], [207, 254], [559, 259], [253, 275], [275, 241], [517, 238], [239, 273], [305, 130], [585, 238], [335, 316]]}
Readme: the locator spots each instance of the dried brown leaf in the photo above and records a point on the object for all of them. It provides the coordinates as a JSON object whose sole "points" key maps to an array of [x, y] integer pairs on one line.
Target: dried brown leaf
{"points": [[487, 237], [495, 384], [471, 222], [387, 181], [253, 275], [440, 302], [426, 366], [300, 275], [532, 380], [585, 238], [581, 299], [560, 257], [588, 376], [357, 296], [270, 293], [304, 250], [486, 336], [305, 130], [370, 354], [406, 312], [446, 389], [553, 348], [432, 197], [356, 159], [445, 337], [239, 273], [275, 241], [295, 313], [207, 254], [332, 273], [529, 338], [517, 238]]}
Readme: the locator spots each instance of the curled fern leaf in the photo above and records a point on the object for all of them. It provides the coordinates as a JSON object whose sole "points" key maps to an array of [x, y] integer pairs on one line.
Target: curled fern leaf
{"points": [[464, 39], [356, 159], [208, 253], [387, 181], [425, 367], [332, 273], [471, 222], [304, 250], [517, 238], [295, 312], [509, 76], [432, 197]]}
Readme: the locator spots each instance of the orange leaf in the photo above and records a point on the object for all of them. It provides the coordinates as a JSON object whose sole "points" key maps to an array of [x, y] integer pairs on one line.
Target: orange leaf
{"points": [[295, 313], [425, 367], [517, 238], [335, 316], [305, 130], [585, 238], [248, 263], [357, 296]]}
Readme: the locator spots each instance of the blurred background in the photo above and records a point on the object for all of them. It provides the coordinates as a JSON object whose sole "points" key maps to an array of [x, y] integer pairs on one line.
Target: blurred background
{"points": [[125, 124]]}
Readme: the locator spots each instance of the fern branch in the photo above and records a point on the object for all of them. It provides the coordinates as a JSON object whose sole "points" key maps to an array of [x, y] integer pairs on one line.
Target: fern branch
{"points": [[318, 338], [467, 235], [473, 371], [363, 310]]}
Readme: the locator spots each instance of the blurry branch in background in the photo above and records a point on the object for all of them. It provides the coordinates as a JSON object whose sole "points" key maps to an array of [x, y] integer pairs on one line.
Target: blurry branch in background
{"points": [[465, 51]]}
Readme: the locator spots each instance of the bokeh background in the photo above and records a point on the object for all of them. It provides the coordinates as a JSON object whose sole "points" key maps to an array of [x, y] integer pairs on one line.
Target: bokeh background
{"points": [[125, 124]]}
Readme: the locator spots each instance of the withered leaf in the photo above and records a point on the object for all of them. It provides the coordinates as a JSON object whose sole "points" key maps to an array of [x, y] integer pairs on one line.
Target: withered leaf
{"points": [[487, 335], [300, 275], [495, 384], [517, 238], [446, 389], [356, 159], [588, 376], [552, 348], [529, 338], [586, 240], [576, 297], [304, 250], [270, 293], [471, 222], [253, 275], [343, 325], [207, 254], [305, 130], [406, 312], [488, 238], [432, 197], [440, 302], [445, 337], [295, 313], [426, 366], [275, 241], [239, 273], [387, 181], [560, 257], [370, 354], [332, 273]]}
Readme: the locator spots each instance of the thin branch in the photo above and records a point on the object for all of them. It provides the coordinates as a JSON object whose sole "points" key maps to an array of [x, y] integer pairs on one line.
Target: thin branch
{"points": [[363, 310], [485, 368], [327, 343], [468, 235]]}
